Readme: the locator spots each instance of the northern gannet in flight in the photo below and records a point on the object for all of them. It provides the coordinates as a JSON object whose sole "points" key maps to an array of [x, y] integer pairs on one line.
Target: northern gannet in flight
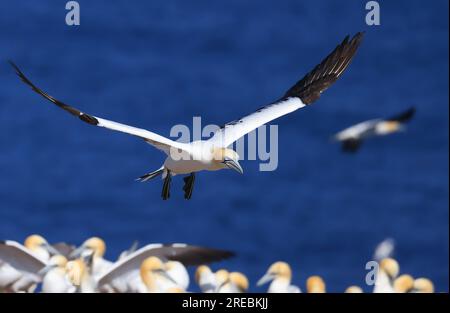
{"points": [[352, 137], [213, 154]]}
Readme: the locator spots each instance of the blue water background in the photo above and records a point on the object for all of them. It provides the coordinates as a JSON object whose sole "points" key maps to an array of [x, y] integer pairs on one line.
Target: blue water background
{"points": [[154, 64]]}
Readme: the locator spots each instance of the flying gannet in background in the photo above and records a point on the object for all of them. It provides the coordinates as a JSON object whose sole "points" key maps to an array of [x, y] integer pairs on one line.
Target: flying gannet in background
{"points": [[352, 137], [213, 154]]}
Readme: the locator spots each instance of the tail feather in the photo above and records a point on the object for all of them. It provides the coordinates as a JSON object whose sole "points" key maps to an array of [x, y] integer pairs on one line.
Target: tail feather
{"points": [[151, 175]]}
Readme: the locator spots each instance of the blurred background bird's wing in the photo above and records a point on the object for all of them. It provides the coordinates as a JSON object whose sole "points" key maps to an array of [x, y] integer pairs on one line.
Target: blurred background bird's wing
{"points": [[154, 139], [186, 254], [64, 248], [19, 257], [403, 117], [304, 92]]}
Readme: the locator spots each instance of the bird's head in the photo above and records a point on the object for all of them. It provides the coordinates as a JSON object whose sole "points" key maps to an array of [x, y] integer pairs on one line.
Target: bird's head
{"points": [[239, 280], [315, 284], [404, 284], [390, 267], [388, 127], [93, 245], [276, 270], [423, 285], [201, 271], [153, 268], [228, 158], [38, 243]]}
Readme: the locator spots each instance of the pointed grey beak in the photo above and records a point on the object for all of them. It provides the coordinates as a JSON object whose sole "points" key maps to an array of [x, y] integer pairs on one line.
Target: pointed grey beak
{"points": [[265, 279], [234, 165], [164, 274], [46, 269], [50, 249], [77, 252]]}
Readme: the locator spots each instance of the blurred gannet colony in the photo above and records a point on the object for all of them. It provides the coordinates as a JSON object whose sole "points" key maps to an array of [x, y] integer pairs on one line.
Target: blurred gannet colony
{"points": [[37, 266]]}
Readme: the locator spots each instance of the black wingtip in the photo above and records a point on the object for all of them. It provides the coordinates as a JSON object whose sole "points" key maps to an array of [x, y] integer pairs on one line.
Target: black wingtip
{"points": [[403, 117], [311, 86]]}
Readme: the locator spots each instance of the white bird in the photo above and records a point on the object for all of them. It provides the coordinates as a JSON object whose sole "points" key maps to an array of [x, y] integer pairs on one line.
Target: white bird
{"points": [[55, 279], [124, 275], [20, 264], [178, 272], [206, 279], [387, 273], [154, 276], [280, 275], [234, 282], [97, 247], [214, 154], [352, 137]]}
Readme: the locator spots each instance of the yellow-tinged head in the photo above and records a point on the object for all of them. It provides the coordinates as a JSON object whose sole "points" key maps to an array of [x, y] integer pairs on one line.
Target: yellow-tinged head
{"points": [[404, 283], [97, 245], [35, 241], [423, 285], [388, 127], [58, 260], [280, 269], [315, 284], [239, 280], [354, 289], [222, 276], [390, 267], [201, 271], [76, 271], [227, 158]]}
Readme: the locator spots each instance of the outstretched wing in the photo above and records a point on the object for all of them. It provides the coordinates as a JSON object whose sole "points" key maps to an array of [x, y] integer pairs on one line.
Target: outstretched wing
{"points": [[186, 254], [303, 93], [19, 257], [156, 140], [402, 117]]}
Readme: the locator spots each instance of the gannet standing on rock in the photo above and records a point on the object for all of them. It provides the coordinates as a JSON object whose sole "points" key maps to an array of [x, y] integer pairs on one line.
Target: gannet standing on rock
{"points": [[205, 279], [214, 154], [155, 277], [20, 264], [97, 247], [351, 138], [280, 274], [234, 282], [55, 279], [387, 273]]}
